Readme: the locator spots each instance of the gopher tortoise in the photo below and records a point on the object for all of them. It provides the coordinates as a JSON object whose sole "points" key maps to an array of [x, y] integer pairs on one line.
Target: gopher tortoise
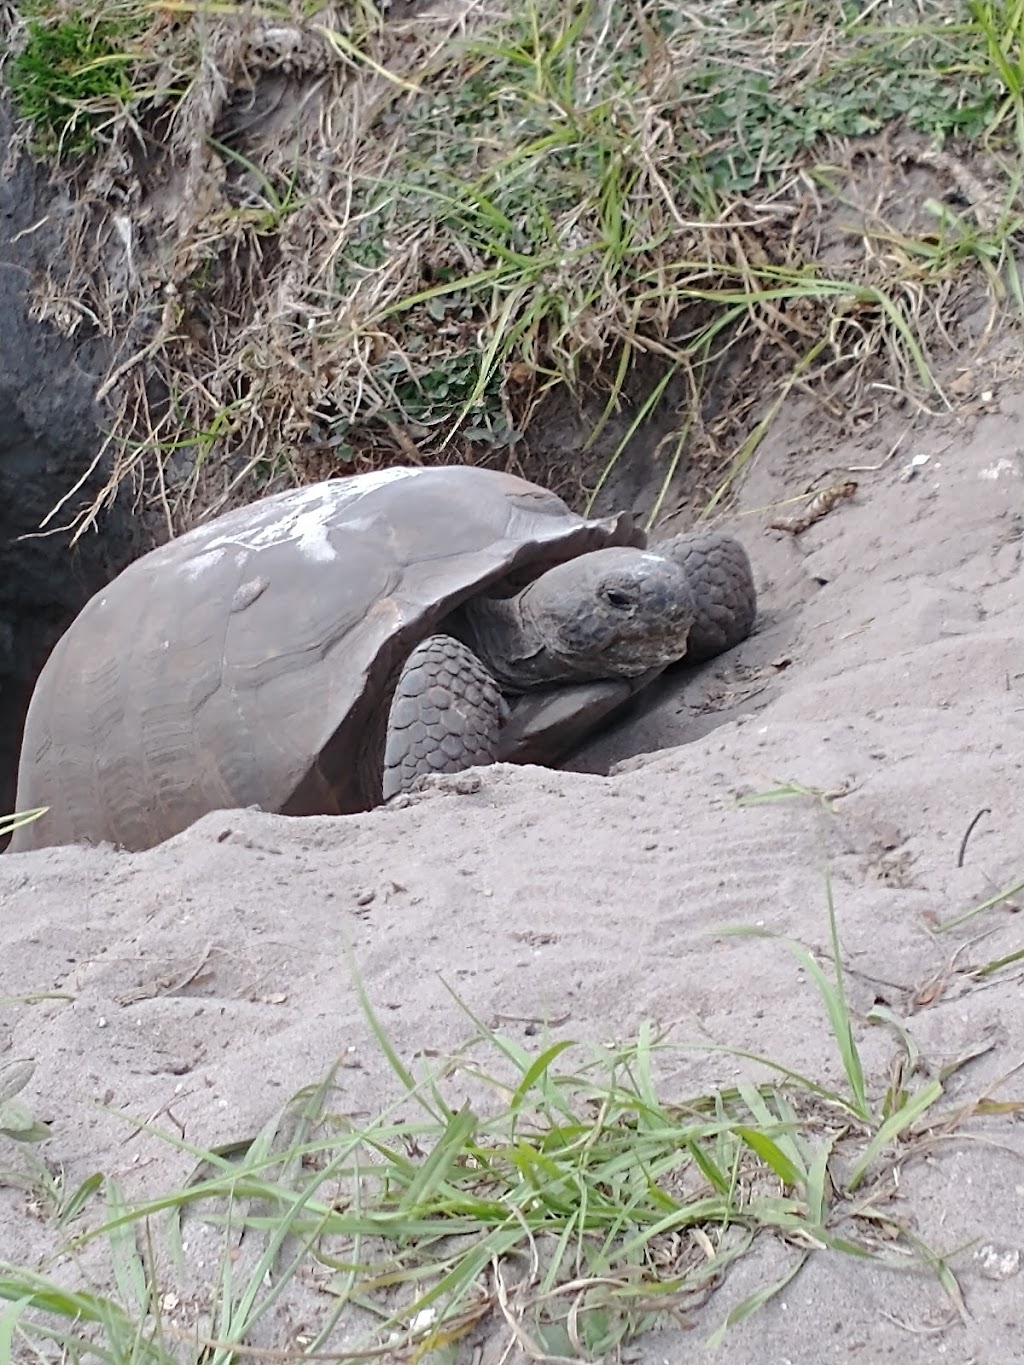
{"points": [[322, 650]]}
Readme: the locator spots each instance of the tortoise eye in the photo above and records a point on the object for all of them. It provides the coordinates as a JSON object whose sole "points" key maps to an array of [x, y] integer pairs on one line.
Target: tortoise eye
{"points": [[615, 597]]}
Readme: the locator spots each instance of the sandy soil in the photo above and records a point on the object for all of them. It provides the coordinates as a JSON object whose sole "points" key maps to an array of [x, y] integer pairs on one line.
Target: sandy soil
{"points": [[886, 668]]}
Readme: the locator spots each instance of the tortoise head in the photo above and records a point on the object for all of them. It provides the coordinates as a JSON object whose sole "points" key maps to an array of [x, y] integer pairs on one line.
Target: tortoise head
{"points": [[612, 613]]}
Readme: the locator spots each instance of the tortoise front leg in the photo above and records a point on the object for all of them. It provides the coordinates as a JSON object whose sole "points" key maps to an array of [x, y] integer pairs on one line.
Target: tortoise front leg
{"points": [[446, 715], [722, 587]]}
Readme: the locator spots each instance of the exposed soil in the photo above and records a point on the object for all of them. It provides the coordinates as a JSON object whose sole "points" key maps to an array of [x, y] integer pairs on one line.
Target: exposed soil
{"points": [[885, 670]]}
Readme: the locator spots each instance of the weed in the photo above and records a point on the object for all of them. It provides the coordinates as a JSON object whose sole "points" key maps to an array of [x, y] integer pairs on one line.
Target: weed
{"points": [[553, 1192], [16, 1121], [1000, 898]]}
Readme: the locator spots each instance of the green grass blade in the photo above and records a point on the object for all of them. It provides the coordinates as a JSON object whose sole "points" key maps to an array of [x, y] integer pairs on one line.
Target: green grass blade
{"points": [[772, 1155], [753, 1302], [433, 1173], [892, 1128]]}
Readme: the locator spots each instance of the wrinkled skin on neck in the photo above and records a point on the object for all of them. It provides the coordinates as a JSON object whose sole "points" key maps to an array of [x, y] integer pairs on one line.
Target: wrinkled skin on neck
{"points": [[614, 613]]}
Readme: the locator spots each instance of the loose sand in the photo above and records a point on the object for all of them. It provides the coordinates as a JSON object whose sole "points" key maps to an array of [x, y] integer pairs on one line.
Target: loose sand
{"points": [[886, 670]]}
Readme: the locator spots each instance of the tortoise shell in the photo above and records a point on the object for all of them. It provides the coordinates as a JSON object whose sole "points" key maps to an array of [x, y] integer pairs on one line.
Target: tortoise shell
{"points": [[249, 662]]}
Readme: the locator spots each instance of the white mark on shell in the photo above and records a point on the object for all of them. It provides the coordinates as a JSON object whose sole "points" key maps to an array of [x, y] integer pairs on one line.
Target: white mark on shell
{"points": [[369, 483], [360, 523], [304, 518], [999, 469], [199, 563], [247, 593]]}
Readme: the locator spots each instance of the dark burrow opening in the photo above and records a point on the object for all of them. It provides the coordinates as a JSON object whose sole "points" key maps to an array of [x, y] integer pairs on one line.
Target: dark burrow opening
{"points": [[44, 583], [50, 434]]}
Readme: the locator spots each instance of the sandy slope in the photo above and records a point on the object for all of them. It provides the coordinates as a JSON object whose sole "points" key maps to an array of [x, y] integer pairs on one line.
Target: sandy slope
{"points": [[887, 666]]}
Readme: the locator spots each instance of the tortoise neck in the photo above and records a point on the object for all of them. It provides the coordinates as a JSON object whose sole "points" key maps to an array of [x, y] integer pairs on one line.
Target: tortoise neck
{"points": [[503, 638]]}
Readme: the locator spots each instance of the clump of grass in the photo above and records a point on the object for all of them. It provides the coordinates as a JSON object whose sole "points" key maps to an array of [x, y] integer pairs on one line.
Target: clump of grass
{"points": [[553, 1195], [466, 217], [72, 75]]}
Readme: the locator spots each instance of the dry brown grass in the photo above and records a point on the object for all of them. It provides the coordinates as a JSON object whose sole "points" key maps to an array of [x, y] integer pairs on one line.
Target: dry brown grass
{"points": [[325, 242]]}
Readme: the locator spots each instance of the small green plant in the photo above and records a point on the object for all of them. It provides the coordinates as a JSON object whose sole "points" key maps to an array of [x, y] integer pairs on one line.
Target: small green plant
{"points": [[71, 76], [268, 206], [16, 1121], [426, 398]]}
